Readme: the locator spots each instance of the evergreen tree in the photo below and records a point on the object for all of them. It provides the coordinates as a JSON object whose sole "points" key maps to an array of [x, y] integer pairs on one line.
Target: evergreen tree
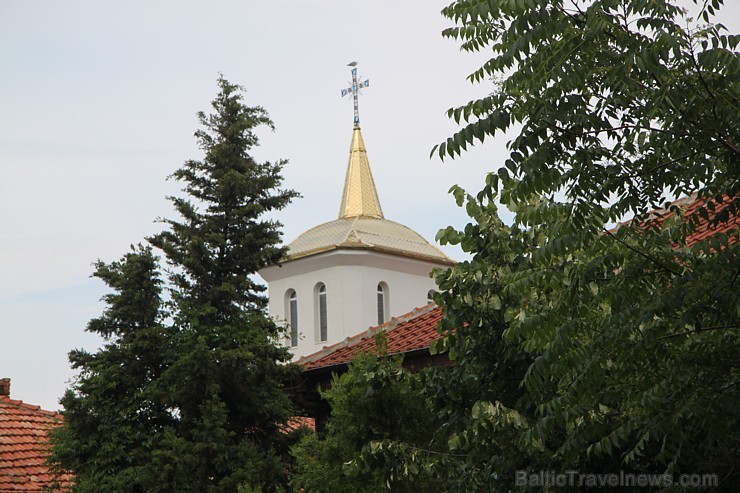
{"points": [[112, 413], [215, 378]]}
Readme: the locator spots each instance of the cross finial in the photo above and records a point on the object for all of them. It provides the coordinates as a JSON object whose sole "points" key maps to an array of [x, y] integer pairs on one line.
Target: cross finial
{"points": [[355, 90]]}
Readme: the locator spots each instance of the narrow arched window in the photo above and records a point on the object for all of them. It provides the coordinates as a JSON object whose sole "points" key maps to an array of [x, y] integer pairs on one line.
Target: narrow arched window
{"points": [[430, 296], [292, 313], [323, 323], [382, 303]]}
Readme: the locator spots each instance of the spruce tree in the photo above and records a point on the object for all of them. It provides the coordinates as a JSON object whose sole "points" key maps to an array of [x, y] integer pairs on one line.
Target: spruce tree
{"points": [[111, 410], [187, 394]]}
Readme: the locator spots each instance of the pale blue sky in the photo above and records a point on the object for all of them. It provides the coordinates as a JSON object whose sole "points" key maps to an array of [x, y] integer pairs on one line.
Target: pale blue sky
{"points": [[97, 108]]}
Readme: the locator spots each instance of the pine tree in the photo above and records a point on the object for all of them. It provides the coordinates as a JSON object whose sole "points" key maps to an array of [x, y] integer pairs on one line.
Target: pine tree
{"points": [[220, 372], [113, 411]]}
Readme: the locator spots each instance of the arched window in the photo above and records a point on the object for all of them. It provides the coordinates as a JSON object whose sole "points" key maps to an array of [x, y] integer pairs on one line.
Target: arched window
{"points": [[292, 315], [323, 326], [382, 302]]}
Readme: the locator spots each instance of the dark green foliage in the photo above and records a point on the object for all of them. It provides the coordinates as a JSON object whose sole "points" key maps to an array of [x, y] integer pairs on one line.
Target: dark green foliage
{"points": [[377, 410], [113, 411], [579, 346], [618, 101], [216, 249], [191, 399], [613, 363]]}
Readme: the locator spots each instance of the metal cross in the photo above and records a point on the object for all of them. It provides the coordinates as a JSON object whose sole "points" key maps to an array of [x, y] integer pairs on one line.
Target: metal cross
{"points": [[355, 89]]}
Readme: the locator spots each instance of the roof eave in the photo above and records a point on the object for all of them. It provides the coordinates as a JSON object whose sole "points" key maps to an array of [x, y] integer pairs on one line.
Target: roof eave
{"points": [[391, 251]]}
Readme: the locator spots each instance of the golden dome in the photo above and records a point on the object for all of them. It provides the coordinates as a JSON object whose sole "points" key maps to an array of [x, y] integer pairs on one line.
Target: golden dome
{"points": [[361, 224]]}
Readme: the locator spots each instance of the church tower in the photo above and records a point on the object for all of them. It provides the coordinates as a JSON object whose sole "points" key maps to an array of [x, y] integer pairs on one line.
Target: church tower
{"points": [[357, 271]]}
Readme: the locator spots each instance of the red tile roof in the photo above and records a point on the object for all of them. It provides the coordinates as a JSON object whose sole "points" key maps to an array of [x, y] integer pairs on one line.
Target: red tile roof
{"points": [[297, 422], [24, 446], [703, 229], [412, 331]]}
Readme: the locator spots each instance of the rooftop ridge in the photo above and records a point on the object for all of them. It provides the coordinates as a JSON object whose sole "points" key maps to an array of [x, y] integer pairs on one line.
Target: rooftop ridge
{"points": [[30, 407], [686, 206]]}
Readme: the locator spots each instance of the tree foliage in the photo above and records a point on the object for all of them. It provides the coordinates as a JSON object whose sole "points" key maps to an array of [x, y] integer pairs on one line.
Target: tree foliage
{"points": [[186, 393], [376, 404], [112, 409], [580, 345], [618, 101]]}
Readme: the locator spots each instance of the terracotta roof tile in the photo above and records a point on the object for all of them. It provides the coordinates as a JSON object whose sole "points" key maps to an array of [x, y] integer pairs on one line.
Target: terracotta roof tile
{"points": [[297, 422], [703, 229], [412, 331], [23, 447], [706, 230]]}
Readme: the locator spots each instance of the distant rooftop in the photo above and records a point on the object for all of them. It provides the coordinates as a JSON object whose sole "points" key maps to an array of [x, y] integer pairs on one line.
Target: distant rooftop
{"points": [[24, 445]]}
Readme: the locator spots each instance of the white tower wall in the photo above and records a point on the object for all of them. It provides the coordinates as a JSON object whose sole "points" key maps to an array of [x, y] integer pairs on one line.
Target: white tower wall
{"points": [[351, 278], [351, 256]]}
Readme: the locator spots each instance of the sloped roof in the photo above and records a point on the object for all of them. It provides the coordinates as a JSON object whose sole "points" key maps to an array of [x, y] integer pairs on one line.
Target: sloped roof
{"points": [[24, 447], [365, 233], [410, 332], [703, 228]]}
